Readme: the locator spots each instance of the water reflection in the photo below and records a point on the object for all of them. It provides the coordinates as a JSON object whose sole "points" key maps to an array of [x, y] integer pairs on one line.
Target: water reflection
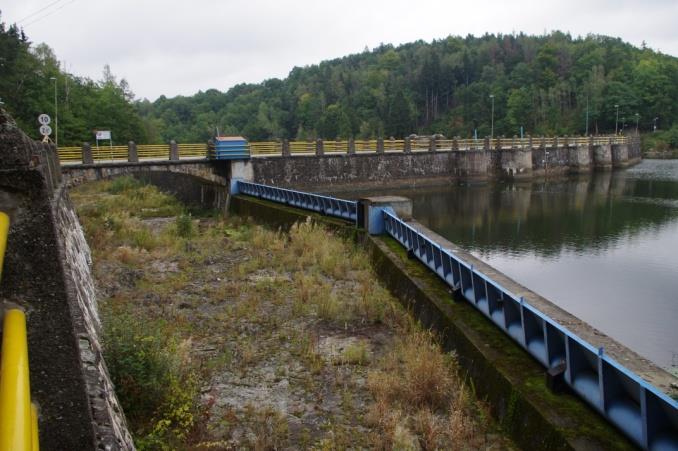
{"points": [[604, 247]]}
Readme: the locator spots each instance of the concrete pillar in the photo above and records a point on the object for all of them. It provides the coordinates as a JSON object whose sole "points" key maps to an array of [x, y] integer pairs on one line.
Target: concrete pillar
{"points": [[432, 143], [407, 145], [380, 145], [132, 154], [319, 147], [373, 220], [173, 151], [351, 146], [87, 154], [285, 148]]}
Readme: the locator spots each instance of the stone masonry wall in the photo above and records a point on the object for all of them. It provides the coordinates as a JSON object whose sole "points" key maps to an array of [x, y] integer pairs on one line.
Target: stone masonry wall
{"points": [[46, 272]]}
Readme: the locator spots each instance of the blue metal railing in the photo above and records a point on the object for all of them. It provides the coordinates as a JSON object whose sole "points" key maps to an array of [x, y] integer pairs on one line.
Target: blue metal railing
{"points": [[645, 414], [331, 206]]}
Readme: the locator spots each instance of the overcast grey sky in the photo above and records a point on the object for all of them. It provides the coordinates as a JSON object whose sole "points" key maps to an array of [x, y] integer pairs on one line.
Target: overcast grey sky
{"points": [[176, 47]]}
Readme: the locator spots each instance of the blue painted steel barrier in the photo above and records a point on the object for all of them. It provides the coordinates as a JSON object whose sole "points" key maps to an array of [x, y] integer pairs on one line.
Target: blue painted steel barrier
{"points": [[644, 413], [331, 206]]}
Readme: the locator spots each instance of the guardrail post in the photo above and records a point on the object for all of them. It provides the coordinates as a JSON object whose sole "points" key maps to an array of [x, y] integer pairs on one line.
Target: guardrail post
{"points": [[132, 154], [590, 140], [407, 145], [319, 148], [566, 141], [514, 143], [87, 154], [542, 142], [486, 143], [497, 144], [555, 142], [529, 142], [380, 145], [432, 143], [455, 143], [173, 151], [285, 148], [351, 146]]}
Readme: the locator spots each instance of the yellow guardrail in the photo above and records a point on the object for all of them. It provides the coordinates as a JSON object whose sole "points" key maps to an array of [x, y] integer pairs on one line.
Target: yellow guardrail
{"points": [[18, 417], [420, 144], [302, 147], [265, 148]]}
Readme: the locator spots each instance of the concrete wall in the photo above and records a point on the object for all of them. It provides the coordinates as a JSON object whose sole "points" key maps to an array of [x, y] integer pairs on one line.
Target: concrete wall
{"points": [[46, 272], [356, 171]]}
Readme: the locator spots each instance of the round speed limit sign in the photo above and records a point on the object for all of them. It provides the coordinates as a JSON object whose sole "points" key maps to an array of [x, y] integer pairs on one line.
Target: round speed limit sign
{"points": [[44, 119], [45, 130]]}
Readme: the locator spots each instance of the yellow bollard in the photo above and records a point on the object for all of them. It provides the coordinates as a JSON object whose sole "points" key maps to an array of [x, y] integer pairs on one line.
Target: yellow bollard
{"points": [[4, 231], [15, 397]]}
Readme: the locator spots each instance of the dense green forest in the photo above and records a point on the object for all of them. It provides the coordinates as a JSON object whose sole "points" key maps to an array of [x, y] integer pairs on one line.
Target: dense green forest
{"points": [[28, 76], [544, 84]]}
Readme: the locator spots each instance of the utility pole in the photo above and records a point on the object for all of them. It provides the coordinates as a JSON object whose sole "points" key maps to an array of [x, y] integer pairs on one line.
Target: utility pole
{"points": [[616, 121], [56, 114], [492, 120]]}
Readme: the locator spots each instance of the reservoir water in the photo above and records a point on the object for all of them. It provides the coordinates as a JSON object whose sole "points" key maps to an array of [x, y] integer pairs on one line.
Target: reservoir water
{"points": [[603, 246]]}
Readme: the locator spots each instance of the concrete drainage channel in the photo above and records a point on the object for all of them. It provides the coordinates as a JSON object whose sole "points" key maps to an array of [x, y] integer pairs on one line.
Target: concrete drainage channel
{"points": [[530, 386]]}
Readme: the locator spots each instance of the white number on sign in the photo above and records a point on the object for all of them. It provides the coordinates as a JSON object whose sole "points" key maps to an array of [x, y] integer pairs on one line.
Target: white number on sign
{"points": [[44, 119]]}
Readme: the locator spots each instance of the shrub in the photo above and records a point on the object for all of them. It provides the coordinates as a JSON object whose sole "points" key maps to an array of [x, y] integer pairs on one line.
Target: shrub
{"points": [[184, 225], [124, 183], [153, 378]]}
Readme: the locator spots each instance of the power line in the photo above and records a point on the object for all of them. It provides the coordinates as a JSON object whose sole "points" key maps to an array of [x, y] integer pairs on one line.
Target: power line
{"points": [[47, 15], [40, 10]]}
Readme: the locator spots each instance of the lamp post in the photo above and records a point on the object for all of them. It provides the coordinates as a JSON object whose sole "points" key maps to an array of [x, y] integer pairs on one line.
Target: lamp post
{"points": [[492, 120], [56, 114], [616, 121]]}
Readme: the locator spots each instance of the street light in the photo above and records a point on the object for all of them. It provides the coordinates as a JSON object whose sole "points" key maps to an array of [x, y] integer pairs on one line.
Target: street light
{"points": [[492, 123], [56, 114], [616, 121]]}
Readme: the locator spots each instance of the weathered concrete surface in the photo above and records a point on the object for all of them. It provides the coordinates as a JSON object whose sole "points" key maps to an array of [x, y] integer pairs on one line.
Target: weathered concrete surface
{"points": [[194, 182], [503, 374], [45, 273]]}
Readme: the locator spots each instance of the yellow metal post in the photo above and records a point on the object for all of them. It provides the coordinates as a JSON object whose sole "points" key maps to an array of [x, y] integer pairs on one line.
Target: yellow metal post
{"points": [[35, 440], [4, 231], [15, 397]]}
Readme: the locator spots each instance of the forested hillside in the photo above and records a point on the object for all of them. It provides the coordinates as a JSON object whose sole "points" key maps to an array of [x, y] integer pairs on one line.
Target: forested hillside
{"points": [[544, 84], [27, 89]]}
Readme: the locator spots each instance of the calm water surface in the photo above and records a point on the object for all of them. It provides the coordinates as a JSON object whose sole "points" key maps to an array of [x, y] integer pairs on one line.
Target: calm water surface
{"points": [[603, 247]]}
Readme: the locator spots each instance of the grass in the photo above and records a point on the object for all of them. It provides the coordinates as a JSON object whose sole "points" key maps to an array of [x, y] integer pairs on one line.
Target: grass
{"points": [[212, 325]]}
